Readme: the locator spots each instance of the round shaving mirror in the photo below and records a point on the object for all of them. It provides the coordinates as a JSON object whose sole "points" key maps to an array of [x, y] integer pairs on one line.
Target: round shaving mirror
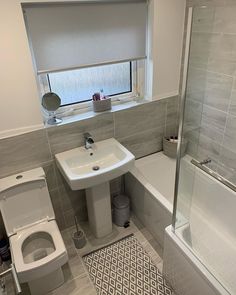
{"points": [[51, 102]]}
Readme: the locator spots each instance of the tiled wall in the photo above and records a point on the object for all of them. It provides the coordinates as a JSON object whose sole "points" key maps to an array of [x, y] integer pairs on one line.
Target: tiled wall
{"points": [[140, 129], [210, 121]]}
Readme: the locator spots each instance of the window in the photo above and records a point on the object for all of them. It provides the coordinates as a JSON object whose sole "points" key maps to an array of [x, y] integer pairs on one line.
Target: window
{"points": [[79, 85], [80, 48]]}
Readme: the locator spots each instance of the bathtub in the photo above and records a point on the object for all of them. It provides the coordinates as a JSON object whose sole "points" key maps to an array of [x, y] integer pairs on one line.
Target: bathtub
{"points": [[200, 257], [150, 186], [203, 227]]}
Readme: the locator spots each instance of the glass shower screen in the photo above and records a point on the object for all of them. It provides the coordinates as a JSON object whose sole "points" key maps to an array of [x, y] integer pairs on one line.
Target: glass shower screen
{"points": [[205, 196]]}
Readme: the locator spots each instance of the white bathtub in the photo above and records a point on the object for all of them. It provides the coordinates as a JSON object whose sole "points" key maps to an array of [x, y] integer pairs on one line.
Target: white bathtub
{"points": [[150, 186], [210, 235]]}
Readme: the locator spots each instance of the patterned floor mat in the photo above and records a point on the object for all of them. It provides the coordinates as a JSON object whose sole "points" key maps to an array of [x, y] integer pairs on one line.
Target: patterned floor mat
{"points": [[124, 268]]}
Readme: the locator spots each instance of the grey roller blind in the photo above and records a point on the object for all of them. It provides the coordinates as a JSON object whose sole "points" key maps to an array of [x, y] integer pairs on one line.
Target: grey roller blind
{"points": [[71, 35]]}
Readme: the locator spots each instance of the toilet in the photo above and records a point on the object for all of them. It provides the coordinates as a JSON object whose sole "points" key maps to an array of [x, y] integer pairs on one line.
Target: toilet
{"points": [[37, 248]]}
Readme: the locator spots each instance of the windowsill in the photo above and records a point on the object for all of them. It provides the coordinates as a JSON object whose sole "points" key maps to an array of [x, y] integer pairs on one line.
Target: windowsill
{"points": [[83, 114]]}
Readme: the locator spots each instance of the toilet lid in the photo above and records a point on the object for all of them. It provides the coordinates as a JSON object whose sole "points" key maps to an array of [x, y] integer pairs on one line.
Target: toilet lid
{"points": [[25, 205]]}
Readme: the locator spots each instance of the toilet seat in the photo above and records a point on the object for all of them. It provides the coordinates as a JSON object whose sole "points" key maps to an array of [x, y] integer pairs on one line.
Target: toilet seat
{"points": [[33, 270]]}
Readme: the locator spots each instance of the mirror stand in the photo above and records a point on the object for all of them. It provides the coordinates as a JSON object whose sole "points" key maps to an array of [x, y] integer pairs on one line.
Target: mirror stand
{"points": [[54, 120]]}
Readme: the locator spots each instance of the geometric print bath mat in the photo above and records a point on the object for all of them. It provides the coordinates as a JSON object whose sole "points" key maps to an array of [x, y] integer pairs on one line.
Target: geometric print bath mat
{"points": [[124, 268]]}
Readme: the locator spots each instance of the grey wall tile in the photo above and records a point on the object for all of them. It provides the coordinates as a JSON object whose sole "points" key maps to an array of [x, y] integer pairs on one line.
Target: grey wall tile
{"points": [[203, 19], [214, 118], [144, 143], [208, 148], [56, 202], [199, 50], [230, 134], [73, 201], [172, 117], [222, 65], [192, 134], [192, 114], [228, 160], [23, 152], [232, 108], [172, 110], [171, 130], [225, 20], [222, 53], [76, 201], [196, 84], [218, 91], [192, 149], [66, 137], [49, 169], [211, 132], [139, 119]]}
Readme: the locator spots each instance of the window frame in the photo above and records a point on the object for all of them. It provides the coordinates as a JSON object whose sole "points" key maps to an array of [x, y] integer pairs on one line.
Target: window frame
{"points": [[137, 80]]}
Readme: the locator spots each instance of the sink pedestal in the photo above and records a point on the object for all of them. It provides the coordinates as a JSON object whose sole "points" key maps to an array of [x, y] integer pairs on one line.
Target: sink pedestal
{"points": [[99, 209]]}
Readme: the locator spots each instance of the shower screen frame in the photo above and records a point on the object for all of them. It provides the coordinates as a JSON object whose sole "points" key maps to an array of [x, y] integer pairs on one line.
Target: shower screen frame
{"points": [[182, 111]]}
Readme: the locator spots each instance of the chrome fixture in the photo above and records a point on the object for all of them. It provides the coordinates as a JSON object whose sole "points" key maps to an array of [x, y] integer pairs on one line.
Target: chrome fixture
{"points": [[214, 174], [88, 141], [205, 162]]}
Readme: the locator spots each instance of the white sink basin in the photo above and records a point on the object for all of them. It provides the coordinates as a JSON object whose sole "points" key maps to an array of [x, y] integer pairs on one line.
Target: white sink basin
{"points": [[79, 165]]}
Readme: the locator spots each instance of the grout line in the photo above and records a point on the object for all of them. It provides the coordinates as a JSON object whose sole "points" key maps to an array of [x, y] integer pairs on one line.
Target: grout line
{"points": [[214, 108], [203, 69], [114, 125], [141, 132], [49, 145], [166, 114]]}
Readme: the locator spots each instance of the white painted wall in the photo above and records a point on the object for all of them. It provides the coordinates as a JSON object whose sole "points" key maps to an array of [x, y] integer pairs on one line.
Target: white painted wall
{"points": [[20, 103], [166, 50], [20, 107]]}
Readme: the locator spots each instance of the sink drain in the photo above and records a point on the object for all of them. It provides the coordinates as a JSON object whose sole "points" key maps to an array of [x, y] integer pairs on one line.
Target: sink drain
{"points": [[96, 168]]}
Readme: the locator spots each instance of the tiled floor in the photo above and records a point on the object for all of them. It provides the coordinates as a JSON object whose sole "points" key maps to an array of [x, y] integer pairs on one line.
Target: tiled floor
{"points": [[77, 280]]}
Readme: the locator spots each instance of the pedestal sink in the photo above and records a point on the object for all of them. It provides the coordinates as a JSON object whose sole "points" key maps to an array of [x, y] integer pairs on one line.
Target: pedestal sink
{"points": [[92, 170]]}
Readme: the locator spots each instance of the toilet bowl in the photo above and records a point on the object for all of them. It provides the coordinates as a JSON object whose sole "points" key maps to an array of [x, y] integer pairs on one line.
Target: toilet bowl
{"points": [[37, 248]]}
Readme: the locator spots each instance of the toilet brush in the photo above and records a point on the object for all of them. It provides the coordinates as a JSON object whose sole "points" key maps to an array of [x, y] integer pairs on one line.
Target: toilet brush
{"points": [[78, 236]]}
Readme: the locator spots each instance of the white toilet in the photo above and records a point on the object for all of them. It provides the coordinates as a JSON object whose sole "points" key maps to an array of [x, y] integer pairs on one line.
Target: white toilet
{"points": [[37, 248]]}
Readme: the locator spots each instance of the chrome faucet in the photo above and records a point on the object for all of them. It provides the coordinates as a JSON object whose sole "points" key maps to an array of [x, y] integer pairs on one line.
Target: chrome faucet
{"points": [[205, 162], [88, 141]]}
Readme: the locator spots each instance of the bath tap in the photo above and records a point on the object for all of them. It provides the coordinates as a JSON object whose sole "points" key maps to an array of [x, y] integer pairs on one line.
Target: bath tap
{"points": [[88, 141], [205, 162]]}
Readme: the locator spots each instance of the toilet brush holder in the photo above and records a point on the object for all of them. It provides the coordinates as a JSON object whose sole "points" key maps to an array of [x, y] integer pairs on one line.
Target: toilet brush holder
{"points": [[78, 237]]}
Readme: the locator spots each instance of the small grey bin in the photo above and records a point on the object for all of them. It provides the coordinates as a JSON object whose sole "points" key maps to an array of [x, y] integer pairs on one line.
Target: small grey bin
{"points": [[121, 210]]}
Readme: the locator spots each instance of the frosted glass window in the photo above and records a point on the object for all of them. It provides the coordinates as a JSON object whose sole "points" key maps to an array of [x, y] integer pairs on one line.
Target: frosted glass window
{"points": [[79, 85]]}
